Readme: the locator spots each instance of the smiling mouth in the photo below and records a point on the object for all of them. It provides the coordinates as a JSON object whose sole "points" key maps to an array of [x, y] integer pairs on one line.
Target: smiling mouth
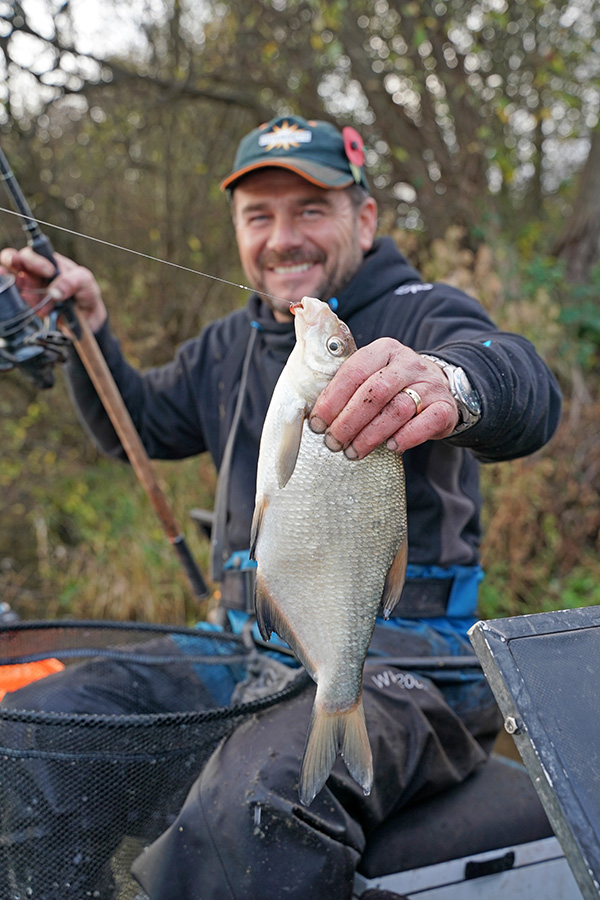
{"points": [[295, 269]]}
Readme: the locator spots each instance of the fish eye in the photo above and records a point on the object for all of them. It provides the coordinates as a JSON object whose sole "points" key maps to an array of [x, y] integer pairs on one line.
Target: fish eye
{"points": [[336, 346]]}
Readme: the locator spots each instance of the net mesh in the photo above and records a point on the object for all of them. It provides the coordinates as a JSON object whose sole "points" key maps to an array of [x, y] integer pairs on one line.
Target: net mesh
{"points": [[85, 788]]}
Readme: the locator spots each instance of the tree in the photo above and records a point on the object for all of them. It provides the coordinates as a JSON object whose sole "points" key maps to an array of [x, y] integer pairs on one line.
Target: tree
{"points": [[579, 243], [467, 106]]}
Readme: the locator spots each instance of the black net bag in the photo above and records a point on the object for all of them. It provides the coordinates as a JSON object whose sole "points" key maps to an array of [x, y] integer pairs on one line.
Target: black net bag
{"points": [[96, 759]]}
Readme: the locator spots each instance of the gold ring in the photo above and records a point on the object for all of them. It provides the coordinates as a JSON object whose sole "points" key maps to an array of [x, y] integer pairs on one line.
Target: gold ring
{"points": [[414, 396]]}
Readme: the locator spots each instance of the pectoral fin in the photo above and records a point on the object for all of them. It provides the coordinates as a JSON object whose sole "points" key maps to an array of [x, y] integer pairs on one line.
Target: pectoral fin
{"points": [[289, 448], [394, 580]]}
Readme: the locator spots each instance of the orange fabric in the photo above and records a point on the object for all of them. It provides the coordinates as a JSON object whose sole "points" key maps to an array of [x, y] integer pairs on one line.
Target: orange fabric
{"points": [[14, 677]]}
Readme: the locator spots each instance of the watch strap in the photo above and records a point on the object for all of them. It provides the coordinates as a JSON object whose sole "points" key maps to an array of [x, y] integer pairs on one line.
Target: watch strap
{"points": [[466, 397]]}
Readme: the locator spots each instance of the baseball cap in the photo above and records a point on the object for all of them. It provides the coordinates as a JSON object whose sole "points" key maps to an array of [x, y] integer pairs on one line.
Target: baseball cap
{"points": [[315, 150]]}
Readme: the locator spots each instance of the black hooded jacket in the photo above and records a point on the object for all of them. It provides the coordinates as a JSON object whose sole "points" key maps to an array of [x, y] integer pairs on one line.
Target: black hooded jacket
{"points": [[186, 407]]}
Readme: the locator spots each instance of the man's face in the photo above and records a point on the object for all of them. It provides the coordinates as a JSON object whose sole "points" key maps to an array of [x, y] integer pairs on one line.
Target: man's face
{"points": [[296, 239]]}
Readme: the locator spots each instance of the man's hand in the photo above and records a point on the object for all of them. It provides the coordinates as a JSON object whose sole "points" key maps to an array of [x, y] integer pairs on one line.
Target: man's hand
{"points": [[365, 405], [34, 273]]}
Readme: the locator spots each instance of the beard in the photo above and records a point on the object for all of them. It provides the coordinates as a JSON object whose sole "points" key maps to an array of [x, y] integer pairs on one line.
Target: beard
{"points": [[329, 286]]}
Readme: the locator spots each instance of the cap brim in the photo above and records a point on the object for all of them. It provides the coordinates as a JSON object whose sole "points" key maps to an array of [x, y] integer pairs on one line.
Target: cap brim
{"points": [[322, 176]]}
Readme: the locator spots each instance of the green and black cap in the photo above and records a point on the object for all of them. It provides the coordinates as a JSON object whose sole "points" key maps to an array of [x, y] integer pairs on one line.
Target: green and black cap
{"points": [[315, 150]]}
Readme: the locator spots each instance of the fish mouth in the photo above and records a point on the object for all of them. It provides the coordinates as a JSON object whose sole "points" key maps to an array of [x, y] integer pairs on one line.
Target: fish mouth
{"points": [[310, 307]]}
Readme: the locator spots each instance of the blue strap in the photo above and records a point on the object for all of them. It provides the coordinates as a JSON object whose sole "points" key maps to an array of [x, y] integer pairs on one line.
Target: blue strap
{"points": [[465, 586], [239, 561]]}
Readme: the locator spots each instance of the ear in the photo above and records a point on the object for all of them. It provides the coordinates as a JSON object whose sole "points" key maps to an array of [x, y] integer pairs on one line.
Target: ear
{"points": [[367, 223]]}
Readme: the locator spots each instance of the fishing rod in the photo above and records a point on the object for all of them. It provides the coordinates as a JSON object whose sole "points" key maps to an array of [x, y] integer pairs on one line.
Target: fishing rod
{"points": [[25, 341]]}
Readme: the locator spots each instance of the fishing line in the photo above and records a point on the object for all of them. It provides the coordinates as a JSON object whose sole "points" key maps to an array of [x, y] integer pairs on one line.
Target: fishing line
{"points": [[165, 262]]}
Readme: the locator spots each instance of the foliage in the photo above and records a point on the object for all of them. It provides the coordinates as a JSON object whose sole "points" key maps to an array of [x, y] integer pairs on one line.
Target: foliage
{"points": [[77, 532], [581, 315], [541, 546], [471, 111]]}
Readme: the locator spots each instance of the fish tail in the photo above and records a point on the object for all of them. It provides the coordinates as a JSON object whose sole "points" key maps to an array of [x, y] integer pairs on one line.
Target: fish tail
{"points": [[329, 734]]}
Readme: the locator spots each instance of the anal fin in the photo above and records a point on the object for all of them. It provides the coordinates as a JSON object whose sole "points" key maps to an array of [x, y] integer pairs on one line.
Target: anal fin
{"points": [[259, 511], [269, 619], [394, 580], [267, 614]]}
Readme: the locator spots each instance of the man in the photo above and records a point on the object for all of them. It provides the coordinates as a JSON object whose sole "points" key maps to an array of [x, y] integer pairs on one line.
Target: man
{"points": [[445, 388]]}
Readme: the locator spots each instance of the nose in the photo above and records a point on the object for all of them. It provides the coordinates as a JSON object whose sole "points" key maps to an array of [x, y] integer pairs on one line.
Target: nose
{"points": [[284, 234]]}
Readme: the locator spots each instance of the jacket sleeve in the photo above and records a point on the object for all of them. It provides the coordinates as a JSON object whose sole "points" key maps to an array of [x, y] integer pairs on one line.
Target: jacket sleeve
{"points": [[161, 402], [520, 397]]}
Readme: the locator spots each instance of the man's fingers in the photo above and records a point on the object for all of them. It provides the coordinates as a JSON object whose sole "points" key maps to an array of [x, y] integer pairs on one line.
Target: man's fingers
{"points": [[30, 284], [34, 273], [385, 393], [376, 399], [372, 415], [369, 364], [433, 423], [395, 415], [400, 427], [6, 258], [26, 260]]}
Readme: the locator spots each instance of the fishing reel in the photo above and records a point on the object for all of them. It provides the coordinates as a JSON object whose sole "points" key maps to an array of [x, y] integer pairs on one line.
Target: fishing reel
{"points": [[28, 342]]}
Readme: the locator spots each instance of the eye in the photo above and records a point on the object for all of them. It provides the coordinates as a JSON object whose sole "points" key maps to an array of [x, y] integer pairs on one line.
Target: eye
{"points": [[258, 219], [336, 346]]}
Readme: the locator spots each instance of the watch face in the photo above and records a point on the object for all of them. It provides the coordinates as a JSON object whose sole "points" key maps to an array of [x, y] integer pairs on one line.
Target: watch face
{"points": [[467, 395]]}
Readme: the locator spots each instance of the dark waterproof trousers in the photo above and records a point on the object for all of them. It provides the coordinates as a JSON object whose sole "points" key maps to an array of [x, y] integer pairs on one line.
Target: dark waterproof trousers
{"points": [[242, 833]]}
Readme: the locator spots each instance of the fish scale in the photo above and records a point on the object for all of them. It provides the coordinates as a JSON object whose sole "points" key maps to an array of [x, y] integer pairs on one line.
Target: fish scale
{"points": [[324, 540], [342, 558]]}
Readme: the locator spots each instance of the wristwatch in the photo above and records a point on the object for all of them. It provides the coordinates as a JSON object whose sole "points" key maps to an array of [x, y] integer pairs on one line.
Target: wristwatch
{"points": [[467, 398]]}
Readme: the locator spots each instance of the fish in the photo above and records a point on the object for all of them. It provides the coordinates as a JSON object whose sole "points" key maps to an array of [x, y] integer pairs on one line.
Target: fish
{"points": [[329, 540]]}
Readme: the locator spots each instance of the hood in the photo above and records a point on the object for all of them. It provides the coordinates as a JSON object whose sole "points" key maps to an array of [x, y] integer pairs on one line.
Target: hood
{"points": [[383, 270]]}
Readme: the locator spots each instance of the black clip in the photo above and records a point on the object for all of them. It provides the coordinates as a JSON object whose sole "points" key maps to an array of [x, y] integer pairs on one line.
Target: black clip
{"points": [[474, 869]]}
